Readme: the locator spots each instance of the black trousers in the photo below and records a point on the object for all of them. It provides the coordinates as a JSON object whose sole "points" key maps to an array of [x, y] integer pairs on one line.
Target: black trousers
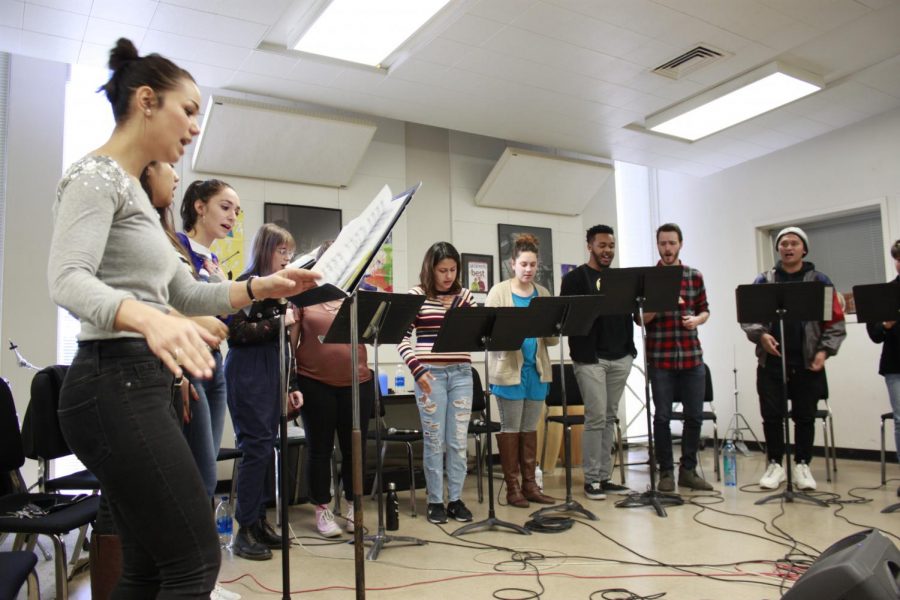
{"points": [[116, 413], [328, 410], [804, 389]]}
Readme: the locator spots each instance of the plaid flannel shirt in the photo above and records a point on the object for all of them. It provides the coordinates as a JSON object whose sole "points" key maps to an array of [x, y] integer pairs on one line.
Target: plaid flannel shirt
{"points": [[669, 344]]}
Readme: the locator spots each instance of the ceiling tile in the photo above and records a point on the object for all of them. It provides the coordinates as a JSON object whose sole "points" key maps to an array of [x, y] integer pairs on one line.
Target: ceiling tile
{"points": [[184, 48], [12, 14], [105, 32], [315, 72], [54, 22], [94, 55], [258, 11], [472, 30], [134, 12], [502, 11], [268, 63], [81, 7], [823, 16], [49, 47], [10, 40], [443, 51], [207, 26]]}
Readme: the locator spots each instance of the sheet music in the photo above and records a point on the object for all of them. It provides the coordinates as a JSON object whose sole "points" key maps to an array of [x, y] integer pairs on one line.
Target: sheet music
{"points": [[343, 262]]}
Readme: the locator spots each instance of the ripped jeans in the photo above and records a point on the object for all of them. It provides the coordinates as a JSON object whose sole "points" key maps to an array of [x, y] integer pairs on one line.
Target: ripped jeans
{"points": [[445, 422]]}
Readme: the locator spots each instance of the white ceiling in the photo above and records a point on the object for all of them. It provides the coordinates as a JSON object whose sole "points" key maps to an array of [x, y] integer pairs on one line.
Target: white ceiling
{"points": [[560, 74]]}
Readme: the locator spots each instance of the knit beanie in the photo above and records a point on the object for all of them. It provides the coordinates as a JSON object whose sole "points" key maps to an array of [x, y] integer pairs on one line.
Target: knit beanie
{"points": [[796, 231]]}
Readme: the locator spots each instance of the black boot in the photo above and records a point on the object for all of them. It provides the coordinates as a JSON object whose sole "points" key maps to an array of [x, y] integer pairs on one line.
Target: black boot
{"points": [[266, 535], [247, 546]]}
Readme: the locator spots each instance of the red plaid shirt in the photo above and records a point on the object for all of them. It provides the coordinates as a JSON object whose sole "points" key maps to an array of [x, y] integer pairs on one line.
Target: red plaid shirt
{"points": [[669, 344]]}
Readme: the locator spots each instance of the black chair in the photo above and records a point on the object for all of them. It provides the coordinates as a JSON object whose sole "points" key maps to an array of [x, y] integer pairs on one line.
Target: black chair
{"points": [[392, 435], [574, 398], [53, 515], [888, 416], [479, 428], [42, 438], [17, 568], [708, 414]]}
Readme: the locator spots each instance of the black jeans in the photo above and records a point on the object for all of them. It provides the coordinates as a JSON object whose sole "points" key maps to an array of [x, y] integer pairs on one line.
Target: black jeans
{"points": [[328, 409], [689, 386], [804, 389], [116, 414]]}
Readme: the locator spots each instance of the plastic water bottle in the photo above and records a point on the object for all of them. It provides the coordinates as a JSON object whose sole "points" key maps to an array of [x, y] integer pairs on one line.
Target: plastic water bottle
{"points": [[392, 509], [539, 477], [383, 383], [729, 463], [399, 380], [225, 522]]}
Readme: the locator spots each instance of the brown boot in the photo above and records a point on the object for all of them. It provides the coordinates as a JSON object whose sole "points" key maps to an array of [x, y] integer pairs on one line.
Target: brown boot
{"points": [[509, 459], [527, 460], [106, 564]]}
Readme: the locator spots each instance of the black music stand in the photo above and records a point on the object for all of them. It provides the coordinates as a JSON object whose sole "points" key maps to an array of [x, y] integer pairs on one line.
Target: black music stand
{"points": [[477, 329], [563, 316], [633, 291], [381, 319], [780, 302], [876, 303]]}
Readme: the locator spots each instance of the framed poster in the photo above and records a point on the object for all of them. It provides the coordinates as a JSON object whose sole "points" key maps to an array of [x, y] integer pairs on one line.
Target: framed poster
{"points": [[478, 274], [310, 225], [506, 236]]}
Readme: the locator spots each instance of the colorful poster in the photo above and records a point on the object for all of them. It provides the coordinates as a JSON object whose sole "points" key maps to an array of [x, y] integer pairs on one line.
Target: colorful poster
{"points": [[230, 249]]}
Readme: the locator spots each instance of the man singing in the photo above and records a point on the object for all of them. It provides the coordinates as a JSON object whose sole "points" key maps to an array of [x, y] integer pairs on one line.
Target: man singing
{"points": [[676, 366], [601, 360], [809, 343]]}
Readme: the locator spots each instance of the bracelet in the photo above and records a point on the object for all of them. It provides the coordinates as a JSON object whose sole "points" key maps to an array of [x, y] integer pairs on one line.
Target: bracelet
{"points": [[250, 288]]}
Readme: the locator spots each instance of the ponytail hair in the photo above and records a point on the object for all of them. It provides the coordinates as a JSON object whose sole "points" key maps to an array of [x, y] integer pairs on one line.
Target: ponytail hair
{"points": [[202, 190]]}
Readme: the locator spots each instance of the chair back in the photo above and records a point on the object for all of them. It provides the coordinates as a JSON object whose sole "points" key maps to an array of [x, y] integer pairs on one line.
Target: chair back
{"points": [[11, 456], [478, 392], [707, 393], [42, 438], [573, 393]]}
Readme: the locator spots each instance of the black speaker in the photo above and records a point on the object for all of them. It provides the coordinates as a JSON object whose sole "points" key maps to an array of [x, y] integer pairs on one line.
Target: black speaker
{"points": [[862, 566]]}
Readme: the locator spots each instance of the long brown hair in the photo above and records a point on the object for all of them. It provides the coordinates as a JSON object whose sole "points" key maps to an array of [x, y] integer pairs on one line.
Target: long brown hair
{"points": [[438, 252], [266, 240], [165, 217], [201, 190]]}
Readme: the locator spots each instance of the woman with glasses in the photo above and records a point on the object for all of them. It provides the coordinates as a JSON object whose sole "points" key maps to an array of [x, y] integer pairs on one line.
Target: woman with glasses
{"points": [[252, 374], [209, 212]]}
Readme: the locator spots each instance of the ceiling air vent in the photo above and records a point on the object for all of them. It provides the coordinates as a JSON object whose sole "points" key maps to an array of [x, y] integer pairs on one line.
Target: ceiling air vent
{"points": [[689, 62]]}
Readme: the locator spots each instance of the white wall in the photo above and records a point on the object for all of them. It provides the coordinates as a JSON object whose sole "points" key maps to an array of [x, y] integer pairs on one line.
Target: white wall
{"points": [[34, 166], [720, 214]]}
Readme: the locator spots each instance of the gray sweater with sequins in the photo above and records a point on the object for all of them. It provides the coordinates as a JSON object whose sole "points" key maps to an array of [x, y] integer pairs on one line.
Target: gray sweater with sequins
{"points": [[108, 245]]}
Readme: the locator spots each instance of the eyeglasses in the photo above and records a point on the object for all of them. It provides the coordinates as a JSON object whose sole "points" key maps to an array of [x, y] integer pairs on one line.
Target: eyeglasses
{"points": [[288, 254]]}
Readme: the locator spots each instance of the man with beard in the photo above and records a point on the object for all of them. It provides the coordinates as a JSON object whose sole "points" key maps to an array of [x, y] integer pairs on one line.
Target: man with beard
{"points": [[601, 360], [809, 343], [676, 366]]}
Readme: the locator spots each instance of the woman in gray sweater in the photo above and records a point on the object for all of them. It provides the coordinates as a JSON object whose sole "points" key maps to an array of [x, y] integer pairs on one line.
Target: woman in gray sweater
{"points": [[112, 267]]}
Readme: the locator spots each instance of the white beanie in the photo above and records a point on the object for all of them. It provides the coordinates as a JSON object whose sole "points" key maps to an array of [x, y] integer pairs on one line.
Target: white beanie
{"points": [[796, 231]]}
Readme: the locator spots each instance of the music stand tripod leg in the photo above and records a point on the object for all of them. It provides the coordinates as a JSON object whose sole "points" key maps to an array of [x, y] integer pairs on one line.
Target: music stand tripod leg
{"points": [[570, 506]]}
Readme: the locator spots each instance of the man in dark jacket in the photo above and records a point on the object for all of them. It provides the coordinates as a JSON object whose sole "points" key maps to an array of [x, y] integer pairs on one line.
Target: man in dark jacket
{"points": [[809, 344], [601, 361]]}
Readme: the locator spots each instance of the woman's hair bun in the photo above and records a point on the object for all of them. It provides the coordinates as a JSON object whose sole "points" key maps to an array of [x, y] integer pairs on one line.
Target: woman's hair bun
{"points": [[123, 53]]}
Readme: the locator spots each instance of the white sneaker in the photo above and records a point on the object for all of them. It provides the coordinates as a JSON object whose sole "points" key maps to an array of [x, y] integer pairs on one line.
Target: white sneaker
{"points": [[348, 524], [220, 593], [803, 477], [325, 522], [773, 476]]}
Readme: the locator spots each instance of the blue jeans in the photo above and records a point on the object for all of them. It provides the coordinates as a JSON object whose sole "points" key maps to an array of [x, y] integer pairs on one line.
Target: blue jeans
{"points": [[445, 422], [893, 385], [601, 385], [204, 432], [689, 387], [254, 400], [116, 413]]}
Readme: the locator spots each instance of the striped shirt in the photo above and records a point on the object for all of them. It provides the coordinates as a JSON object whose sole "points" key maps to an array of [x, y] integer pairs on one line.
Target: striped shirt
{"points": [[669, 344], [426, 326]]}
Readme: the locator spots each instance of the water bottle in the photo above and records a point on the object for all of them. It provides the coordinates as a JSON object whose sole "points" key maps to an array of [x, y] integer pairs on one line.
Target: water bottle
{"points": [[399, 380], [539, 477], [225, 523], [729, 463], [383, 383], [392, 508]]}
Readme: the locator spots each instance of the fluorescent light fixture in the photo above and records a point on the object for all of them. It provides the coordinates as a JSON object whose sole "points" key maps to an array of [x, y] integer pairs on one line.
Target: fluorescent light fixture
{"points": [[366, 31], [745, 97]]}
